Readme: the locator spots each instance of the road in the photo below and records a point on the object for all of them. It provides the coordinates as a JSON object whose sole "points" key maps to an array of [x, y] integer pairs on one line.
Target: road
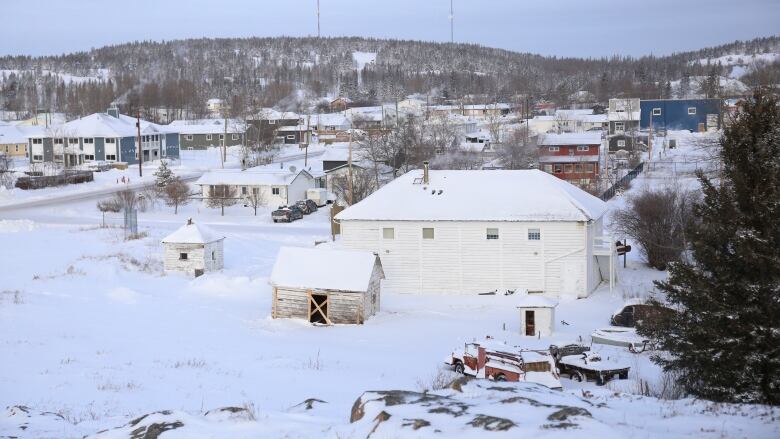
{"points": [[99, 193]]}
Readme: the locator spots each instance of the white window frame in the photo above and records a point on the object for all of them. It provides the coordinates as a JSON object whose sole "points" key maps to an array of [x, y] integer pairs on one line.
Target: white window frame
{"points": [[620, 126], [492, 233], [37, 141], [291, 137], [621, 143], [691, 111], [535, 234], [37, 157], [90, 140], [388, 233], [276, 191], [656, 111], [583, 148], [553, 148], [73, 141], [188, 137], [271, 121], [221, 137], [111, 157], [110, 140], [209, 136], [59, 141], [235, 137], [428, 233]]}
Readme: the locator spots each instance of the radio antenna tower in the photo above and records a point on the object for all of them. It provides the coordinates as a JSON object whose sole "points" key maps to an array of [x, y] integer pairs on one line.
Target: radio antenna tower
{"points": [[318, 18], [452, 23]]}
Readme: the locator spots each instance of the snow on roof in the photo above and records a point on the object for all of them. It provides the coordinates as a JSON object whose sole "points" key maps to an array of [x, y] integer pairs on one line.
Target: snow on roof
{"points": [[271, 114], [330, 119], [259, 176], [535, 301], [618, 116], [524, 195], [192, 233], [337, 155], [10, 134], [323, 269], [570, 113], [103, 125], [288, 128], [207, 126], [586, 138], [579, 158]]}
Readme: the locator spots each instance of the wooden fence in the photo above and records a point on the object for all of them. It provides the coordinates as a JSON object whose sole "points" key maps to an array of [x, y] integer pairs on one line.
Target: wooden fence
{"points": [[42, 181]]}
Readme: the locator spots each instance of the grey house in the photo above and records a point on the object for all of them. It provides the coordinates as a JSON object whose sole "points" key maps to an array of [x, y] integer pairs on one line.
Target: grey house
{"points": [[110, 137], [206, 133]]}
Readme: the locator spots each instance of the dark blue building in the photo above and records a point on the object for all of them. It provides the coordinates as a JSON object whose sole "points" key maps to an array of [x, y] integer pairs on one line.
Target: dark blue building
{"points": [[680, 114]]}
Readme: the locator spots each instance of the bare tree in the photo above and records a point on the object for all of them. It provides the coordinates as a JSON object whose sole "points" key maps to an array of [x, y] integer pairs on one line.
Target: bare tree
{"points": [[129, 200], [221, 196], [176, 193], [363, 185], [256, 198], [518, 151], [6, 172], [110, 205]]}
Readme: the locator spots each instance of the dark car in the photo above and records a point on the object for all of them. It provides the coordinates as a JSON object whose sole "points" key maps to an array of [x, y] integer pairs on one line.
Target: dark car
{"points": [[305, 208], [286, 214], [631, 313], [312, 205]]}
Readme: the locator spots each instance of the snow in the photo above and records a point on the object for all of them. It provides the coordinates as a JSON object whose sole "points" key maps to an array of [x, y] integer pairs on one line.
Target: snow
{"points": [[207, 126], [362, 59], [98, 75], [323, 269], [528, 195], [258, 176], [536, 301], [587, 138], [10, 134], [192, 233]]}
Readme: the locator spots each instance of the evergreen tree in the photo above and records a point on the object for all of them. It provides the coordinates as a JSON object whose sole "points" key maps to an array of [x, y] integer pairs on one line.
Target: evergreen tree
{"points": [[724, 341], [163, 176]]}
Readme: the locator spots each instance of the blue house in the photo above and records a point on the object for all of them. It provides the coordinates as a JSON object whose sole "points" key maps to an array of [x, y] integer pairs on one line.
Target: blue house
{"points": [[680, 114]]}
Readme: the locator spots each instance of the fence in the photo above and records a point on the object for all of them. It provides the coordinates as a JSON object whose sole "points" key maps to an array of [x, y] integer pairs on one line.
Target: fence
{"points": [[42, 181], [622, 183]]}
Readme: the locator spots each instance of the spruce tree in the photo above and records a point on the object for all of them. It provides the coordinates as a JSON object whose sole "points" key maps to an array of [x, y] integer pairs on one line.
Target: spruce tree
{"points": [[724, 341], [163, 176]]}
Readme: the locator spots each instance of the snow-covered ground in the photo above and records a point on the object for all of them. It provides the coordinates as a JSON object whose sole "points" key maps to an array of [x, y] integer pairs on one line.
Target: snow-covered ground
{"points": [[93, 335]]}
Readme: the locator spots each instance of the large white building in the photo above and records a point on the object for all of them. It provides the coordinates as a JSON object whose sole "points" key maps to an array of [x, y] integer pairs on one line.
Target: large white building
{"points": [[274, 186], [478, 231]]}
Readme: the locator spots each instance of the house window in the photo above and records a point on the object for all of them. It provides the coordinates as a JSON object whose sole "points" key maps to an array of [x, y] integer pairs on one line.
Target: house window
{"points": [[89, 157], [291, 137], [427, 232], [578, 168], [58, 141], [656, 111], [272, 122], [111, 157], [73, 141], [557, 169], [37, 141], [691, 110], [221, 137], [621, 143], [583, 148], [255, 191], [590, 167], [554, 148], [491, 233], [188, 137], [620, 126], [182, 256], [388, 233], [37, 158], [548, 169], [235, 137], [534, 234], [243, 190], [568, 169], [209, 136], [89, 140], [213, 256], [110, 140], [275, 191]]}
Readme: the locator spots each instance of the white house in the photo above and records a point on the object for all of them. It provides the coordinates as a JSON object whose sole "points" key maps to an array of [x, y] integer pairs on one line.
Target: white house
{"points": [[477, 231], [193, 249], [537, 315], [275, 187], [325, 286]]}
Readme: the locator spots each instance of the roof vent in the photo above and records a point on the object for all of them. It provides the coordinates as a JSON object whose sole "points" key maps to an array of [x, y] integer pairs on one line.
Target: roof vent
{"points": [[425, 172], [293, 169], [440, 191]]}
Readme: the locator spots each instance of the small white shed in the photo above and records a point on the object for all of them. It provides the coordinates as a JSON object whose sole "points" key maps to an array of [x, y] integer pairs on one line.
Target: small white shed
{"points": [[194, 249], [537, 315], [325, 286]]}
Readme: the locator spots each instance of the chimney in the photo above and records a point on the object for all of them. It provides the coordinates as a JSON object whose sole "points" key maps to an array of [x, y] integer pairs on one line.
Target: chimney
{"points": [[425, 173], [113, 111]]}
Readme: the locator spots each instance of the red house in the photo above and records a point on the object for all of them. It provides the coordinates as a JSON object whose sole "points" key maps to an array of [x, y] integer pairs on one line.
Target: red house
{"points": [[573, 157]]}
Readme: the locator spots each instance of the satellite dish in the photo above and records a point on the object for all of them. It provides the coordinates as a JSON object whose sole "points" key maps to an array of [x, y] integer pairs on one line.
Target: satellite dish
{"points": [[292, 169]]}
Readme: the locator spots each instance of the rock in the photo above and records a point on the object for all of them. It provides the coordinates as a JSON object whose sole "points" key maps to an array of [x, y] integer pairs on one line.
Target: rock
{"points": [[491, 423], [416, 424], [153, 431], [567, 412]]}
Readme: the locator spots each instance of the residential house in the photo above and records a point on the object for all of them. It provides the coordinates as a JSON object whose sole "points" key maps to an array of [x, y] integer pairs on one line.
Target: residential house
{"points": [[574, 157], [193, 249], [205, 133], [14, 139], [467, 232], [215, 106], [295, 134], [262, 126], [695, 115], [326, 286], [273, 186], [331, 127], [111, 137], [623, 115], [577, 121], [340, 104]]}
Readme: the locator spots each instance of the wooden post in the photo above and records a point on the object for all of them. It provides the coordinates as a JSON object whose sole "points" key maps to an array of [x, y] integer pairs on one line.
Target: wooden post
{"points": [[349, 167], [140, 145]]}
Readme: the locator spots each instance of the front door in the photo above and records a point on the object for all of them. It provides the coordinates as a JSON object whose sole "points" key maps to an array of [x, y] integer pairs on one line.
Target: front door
{"points": [[318, 308], [530, 323]]}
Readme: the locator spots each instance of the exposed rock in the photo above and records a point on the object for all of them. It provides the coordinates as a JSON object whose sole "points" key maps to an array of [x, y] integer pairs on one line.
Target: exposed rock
{"points": [[491, 423], [153, 431], [566, 412], [416, 424]]}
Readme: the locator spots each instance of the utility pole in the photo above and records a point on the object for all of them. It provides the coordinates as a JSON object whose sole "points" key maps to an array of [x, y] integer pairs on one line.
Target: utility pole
{"points": [[308, 131], [452, 22], [223, 154], [140, 145], [349, 165], [318, 18]]}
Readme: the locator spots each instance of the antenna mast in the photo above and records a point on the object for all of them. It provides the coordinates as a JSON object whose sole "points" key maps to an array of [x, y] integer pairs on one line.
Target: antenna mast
{"points": [[452, 22], [318, 18]]}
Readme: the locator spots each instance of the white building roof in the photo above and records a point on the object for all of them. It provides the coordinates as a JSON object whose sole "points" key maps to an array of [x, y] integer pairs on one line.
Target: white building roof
{"points": [[11, 134], [526, 195], [192, 233], [536, 301], [207, 126], [587, 138], [260, 176], [330, 119], [323, 269], [104, 125]]}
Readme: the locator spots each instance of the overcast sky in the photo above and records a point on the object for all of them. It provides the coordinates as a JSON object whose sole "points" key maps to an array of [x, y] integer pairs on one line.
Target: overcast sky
{"points": [[550, 27]]}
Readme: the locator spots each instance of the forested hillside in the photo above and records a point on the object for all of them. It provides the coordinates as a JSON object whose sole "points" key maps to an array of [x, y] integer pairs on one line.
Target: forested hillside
{"points": [[283, 71]]}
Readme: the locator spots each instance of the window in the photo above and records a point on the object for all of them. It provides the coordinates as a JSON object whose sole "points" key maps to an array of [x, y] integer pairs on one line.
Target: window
{"points": [[156, 137], [89, 140], [17, 149], [110, 140], [73, 141], [235, 137], [37, 141], [578, 168], [427, 232], [291, 137], [37, 158], [182, 256], [275, 191], [388, 233], [548, 169], [621, 143], [491, 233], [590, 167], [255, 191], [620, 126], [111, 157], [568, 169], [691, 110], [209, 137], [656, 111], [188, 137], [554, 148], [272, 122], [58, 141], [534, 234], [583, 148], [89, 156], [213, 256], [221, 137], [243, 190], [557, 169]]}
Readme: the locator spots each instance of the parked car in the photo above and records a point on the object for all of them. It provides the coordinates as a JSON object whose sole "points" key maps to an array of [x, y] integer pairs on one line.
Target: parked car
{"points": [[312, 205], [593, 366], [631, 312], [286, 214], [306, 206]]}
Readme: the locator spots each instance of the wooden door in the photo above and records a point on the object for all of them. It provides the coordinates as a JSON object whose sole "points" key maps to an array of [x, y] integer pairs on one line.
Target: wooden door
{"points": [[530, 323], [318, 308]]}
